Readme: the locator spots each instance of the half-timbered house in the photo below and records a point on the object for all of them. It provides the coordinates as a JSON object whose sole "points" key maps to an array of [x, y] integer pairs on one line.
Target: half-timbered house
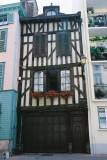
{"points": [[52, 106]]}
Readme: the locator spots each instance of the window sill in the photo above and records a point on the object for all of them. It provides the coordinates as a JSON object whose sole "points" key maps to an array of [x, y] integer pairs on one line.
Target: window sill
{"points": [[105, 129], [102, 61], [3, 24], [100, 100]]}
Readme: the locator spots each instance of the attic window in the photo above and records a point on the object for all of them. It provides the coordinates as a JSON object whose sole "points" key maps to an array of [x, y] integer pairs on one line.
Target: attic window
{"points": [[51, 13]]}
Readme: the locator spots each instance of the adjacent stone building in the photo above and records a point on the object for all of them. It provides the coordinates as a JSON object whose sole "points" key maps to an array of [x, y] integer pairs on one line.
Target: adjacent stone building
{"points": [[9, 70]]}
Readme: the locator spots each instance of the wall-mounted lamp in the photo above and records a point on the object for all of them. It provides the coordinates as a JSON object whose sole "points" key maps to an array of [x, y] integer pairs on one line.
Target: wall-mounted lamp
{"points": [[19, 78], [83, 59]]}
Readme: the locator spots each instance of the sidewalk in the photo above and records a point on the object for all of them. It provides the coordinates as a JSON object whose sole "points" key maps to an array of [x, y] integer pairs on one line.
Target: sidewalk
{"points": [[52, 156]]}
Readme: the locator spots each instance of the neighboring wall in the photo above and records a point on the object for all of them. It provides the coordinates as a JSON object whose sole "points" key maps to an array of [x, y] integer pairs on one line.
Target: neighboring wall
{"points": [[98, 137]]}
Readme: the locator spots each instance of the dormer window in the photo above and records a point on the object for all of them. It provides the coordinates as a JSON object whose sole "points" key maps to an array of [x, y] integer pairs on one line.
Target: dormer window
{"points": [[51, 13], [51, 10]]}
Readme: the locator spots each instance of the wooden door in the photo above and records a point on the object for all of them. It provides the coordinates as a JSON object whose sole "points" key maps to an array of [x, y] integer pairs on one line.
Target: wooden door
{"points": [[45, 133], [78, 134]]}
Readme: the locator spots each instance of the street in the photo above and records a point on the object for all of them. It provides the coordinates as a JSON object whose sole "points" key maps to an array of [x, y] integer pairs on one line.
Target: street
{"points": [[53, 156]]}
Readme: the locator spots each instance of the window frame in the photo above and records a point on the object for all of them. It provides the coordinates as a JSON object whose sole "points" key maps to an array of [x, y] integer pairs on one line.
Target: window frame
{"points": [[39, 46], [60, 53], [50, 11], [9, 17], [105, 109], [2, 17], [96, 63], [65, 79], [38, 78]]}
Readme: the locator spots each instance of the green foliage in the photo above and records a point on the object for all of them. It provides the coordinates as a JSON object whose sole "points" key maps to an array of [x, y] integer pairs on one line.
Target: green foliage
{"points": [[98, 39], [99, 93], [94, 51]]}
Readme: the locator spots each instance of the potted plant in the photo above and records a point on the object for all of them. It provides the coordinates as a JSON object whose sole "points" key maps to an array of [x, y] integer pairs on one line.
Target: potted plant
{"points": [[90, 10], [99, 93], [102, 48], [94, 52]]}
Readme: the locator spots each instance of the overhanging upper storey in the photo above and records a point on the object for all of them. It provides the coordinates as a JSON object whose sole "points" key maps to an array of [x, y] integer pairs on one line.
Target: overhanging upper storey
{"points": [[55, 18]]}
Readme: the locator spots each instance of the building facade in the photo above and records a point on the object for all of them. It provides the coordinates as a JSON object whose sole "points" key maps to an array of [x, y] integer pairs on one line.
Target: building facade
{"points": [[52, 102], [94, 17], [9, 68]]}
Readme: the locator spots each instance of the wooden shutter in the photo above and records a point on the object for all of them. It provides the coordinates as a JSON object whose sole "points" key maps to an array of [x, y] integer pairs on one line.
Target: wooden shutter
{"points": [[1, 75], [10, 18], [40, 45], [0, 108], [63, 43], [3, 39]]}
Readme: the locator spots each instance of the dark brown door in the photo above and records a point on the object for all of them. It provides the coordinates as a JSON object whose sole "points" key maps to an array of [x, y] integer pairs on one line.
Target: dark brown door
{"points": [[45, 133], [78, 134]]}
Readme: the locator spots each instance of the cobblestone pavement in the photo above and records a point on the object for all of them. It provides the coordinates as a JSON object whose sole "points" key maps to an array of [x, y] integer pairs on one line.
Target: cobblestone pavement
{"points": [[49, 156]]}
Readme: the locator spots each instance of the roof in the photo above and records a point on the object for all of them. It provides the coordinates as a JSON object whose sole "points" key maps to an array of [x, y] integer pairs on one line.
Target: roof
{"points": [[59, 17]]}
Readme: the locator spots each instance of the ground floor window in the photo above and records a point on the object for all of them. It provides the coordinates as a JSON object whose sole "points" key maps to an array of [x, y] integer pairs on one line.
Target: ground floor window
{"points": [[102, 113]]}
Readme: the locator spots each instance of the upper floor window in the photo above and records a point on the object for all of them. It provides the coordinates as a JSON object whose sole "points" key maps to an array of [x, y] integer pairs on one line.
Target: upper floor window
{"points": [[3, 40], [100, 81], [102, 113], [3, 20], [38, 81], [51, 13], [65, 80], [63, 43], [40, 45], [1, 75], [6, 19]]}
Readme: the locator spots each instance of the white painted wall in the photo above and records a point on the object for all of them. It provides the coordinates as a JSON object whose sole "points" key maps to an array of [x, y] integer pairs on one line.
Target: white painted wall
{"points": [[97, 137]]}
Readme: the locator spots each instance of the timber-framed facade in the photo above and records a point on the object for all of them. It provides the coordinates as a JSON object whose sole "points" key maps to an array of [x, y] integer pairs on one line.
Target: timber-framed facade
{"points": [[51, 50]]}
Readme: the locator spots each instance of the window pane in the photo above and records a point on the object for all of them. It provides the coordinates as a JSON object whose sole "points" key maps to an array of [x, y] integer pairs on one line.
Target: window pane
{"points": [[40, 74], [53, 13], [102, 118], [35, 88], [63, 87], [36, 75], [40, 80], [67, 73], [68, 87], [40, 87], [63, 73], [36, 81], [67, 79], [62, 80], [96, 68], [100, 81]]}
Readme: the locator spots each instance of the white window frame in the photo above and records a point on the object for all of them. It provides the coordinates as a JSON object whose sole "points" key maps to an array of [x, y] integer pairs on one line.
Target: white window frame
{"points": [[64, 80], [39, 81], [93, 64], [102, 115]]}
